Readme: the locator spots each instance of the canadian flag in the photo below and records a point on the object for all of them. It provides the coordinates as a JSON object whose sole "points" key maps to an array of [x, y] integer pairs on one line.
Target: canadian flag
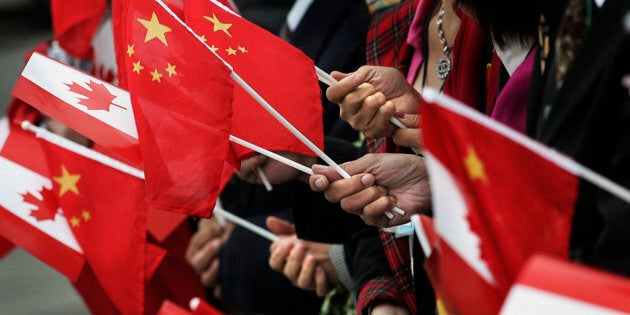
{"points": [[548, 285], [29, 215], [84, 103]]}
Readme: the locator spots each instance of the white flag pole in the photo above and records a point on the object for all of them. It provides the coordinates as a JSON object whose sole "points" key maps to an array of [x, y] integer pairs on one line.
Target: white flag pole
{"points": [[81, 150], [272, 155], [246, 224]]}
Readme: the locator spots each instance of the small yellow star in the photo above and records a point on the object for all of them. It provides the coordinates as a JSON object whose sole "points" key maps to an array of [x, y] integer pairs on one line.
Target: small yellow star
{"points": [[155, 29], [86, 215], [156, 76], [214, 48], [67, 181], [137, 67], [231, 51], [75, 222], [203, 38], [130, 50], [171, 70], [242, 49], [474, 165], [218, 25]]}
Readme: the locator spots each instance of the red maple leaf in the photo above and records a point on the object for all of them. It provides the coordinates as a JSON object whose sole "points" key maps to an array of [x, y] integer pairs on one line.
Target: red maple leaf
{"points": [[98, 96], [46, 208]]}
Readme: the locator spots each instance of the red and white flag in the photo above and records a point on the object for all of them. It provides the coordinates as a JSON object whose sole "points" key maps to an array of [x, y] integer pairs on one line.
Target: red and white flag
{"points": [[548, 285], [498, 198], [84, 103], [29, 213], [74, 24]]}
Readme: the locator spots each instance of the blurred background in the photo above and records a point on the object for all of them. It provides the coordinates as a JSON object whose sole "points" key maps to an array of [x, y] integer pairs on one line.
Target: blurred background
{"points": [[27, 286]]}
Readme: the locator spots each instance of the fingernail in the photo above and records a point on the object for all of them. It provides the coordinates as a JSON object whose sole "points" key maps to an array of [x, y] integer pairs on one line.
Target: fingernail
{"points": [[367, 180], [399, 115], [320, 183]]}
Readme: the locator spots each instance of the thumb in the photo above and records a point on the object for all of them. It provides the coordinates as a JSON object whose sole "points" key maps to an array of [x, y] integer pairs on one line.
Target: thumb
{"points": [[279, 226], [409, 120]]}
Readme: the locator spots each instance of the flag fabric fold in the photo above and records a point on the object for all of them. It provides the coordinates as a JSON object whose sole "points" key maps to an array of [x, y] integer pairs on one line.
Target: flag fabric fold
{"points": [[280, 73], [106, 211], [75, 23], [182, 105], [498, 198], [29, 211]]}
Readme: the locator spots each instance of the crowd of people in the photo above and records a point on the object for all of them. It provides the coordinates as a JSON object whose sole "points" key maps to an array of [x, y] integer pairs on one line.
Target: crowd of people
{"points": [[556, 71]]}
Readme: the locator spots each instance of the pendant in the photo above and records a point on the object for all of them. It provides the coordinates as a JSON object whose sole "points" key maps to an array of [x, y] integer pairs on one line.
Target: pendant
{"points": [[443, 67]]}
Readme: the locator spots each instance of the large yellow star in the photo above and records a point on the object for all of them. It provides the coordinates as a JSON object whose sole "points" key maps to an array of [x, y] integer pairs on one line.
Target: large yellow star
{"points": [[218, 25], [155, 29], [230, 51], [137, 67], [171, 70], [474, 165], [156, 76], [67, 181], [130, 50]]}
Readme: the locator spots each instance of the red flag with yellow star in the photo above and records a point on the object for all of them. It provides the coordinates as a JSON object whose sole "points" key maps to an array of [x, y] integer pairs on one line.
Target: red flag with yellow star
{"points": [[106, 211], [29, 212], [182, 99], [282, 74], [498, 198]]}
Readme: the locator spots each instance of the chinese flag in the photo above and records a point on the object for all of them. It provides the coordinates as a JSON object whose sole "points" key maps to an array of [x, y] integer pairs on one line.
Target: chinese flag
{"points": [[29, 213], [548, 285], [106, 210], [498, 198], [182, 103], [283, 75], [92, 107], [75, 22]]}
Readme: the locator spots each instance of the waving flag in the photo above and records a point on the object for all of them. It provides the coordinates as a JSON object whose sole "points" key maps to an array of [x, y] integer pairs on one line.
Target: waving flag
{"points": [[183, 111], [498, 198], [283, 75], [84, 103], [5, 247], [74, 24], [548, 285], [29, 213], [106, 211]]}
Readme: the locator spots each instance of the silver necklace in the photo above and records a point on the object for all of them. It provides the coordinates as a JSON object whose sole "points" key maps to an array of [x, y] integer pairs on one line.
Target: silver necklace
{"points": [[443, 67]]}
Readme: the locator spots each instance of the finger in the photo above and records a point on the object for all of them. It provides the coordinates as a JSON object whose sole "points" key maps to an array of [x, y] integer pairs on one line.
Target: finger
{"points": [[408, 137], [343, 188], [357, 202], [279, 255], [279, 226], [380, 125], [305, 279], [369, 109], [202, 259], [218, 292], [321, 283], [210, 277], [353, 103], [374, 213], [338, 75], [336, 92], [294, 262]]}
